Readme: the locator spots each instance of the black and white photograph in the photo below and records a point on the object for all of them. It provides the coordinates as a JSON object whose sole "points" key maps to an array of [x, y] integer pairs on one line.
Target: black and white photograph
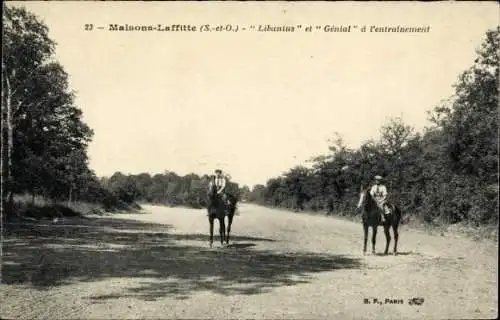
{"points": [[249, 160]]}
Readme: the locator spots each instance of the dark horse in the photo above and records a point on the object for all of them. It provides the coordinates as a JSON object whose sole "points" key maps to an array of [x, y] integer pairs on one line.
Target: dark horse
{"points": [[371, 218], [218, 209]]}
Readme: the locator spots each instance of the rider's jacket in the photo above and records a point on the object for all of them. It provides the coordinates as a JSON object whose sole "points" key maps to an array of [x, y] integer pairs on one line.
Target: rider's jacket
{"points": [[379, 193], [220, 183]]}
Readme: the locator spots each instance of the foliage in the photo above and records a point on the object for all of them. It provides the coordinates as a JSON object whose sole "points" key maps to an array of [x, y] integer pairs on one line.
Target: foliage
{"points": [[167, 188], [44, 139], [447, 174]]}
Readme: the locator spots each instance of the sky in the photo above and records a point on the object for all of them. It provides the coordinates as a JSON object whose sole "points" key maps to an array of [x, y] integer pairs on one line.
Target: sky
{"points": [[253, 103]]}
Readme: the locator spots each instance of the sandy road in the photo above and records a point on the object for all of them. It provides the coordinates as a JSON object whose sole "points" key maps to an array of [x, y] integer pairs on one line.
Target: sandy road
{"points": [[281, 265]]}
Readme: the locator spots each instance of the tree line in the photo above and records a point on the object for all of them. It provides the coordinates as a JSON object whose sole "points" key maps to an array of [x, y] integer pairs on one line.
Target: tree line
{"points": [[167, 188], [446, 174], [45, 141]]}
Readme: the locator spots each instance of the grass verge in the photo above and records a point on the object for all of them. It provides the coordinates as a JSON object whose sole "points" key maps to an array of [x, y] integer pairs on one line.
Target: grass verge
{"points": [[38, 208]]}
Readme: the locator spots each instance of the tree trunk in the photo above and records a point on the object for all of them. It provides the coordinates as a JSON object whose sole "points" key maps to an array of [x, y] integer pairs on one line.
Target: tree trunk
{"points": [[70, 194], [7, 167], [2, 155]]}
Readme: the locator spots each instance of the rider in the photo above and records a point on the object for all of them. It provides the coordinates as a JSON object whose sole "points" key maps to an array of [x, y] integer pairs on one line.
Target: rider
{"points": [[379, 192], [220, 182]]}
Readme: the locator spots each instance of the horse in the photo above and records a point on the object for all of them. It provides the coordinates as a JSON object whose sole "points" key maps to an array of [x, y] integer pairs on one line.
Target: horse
{"points": [[218, 209], [371, 218]]}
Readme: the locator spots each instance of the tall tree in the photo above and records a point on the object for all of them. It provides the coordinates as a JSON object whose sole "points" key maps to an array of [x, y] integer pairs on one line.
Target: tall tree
{"points": [[395, 136], [43, 136], [473, 124], [26, 48]]}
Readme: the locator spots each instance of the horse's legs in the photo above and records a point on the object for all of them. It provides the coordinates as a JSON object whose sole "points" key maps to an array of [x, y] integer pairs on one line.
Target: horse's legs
{"points": [[365, 230], [222, 230], [374, 237], [396, 236], [211, 221], [229, 223], [387, 237]]}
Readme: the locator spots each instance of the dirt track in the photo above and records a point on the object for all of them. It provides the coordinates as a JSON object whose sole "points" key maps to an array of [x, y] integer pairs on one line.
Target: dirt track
{"points": [[281, 265]]}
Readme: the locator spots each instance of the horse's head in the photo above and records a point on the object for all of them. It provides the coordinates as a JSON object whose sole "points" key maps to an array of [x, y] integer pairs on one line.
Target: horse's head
{"points": [[365, 199], [212, 192]]}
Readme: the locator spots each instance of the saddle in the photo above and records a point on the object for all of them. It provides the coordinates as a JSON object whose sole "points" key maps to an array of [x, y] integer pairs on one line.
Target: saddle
{"points": [[388, 205]]}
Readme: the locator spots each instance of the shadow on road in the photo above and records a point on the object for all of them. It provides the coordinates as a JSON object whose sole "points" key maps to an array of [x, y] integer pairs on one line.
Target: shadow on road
{"points": [[408, 253], [404, 253], [241, 245], [160, 263]]}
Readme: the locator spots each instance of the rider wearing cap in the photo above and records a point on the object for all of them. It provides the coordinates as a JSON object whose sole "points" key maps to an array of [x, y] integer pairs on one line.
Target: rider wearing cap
{"points": [[379, 192], [220, 182]]}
